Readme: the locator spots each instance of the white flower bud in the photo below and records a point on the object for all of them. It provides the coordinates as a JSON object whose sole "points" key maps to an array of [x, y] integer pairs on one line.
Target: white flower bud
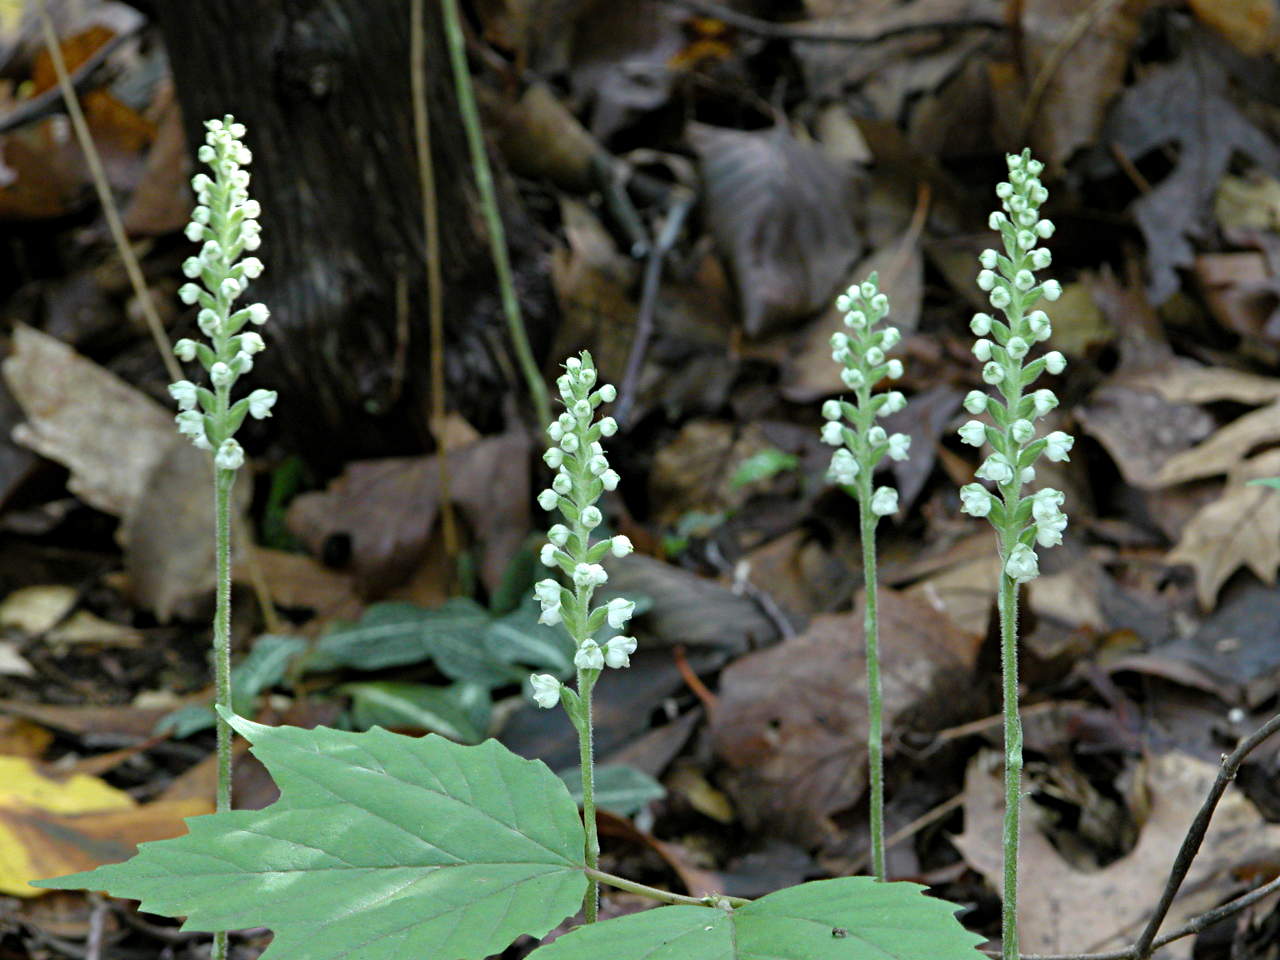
{"points": [[1022, 564], [833, 433], [855, 319], [988, 259], [569, 443], [251, 267], [610, 479], [260, 403], [553, 457], [608, 426], [997, 220], [1044, 229], [547, 555], [874, 356], [975, 500], [230, 288], [844, 468], [852, 378], [620, 546], [592, 518], [1027, 218], [195, 233], [221, 375], [981, 324], [889, 338], [1052, 290], [619, 611], [1024, 280], [884, 501], [868, 289], [546, 690], [1028, 474], [589, 656], [1004, 190], [548, 590], [230, 455], [899, 446], [1058, 445], [975, 402], [880, 304], [992, 373], [548, 499], [893, 370], [185, 349], [1041, 258], [618, 650], [974, 433], [995, 468], [1026, 239], [1055, 362], [1044, 400], [1000, 298], [876, 436], [258, 313], [562, 484], [986, 279], [251, 343], [831, 410], [894, 401], [982, 350], [607, 393], [582, 411], [184, 392], [1017, 348], [188, 293]]}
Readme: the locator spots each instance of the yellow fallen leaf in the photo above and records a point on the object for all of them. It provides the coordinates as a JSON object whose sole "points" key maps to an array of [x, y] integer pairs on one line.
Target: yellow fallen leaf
{"points": [[36, 609], [50, 826]]}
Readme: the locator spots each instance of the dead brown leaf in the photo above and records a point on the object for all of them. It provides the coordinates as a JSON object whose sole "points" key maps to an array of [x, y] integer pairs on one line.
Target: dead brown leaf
{"points": [[386, 509], [1063, 910], [791, 722], [782, 214], [1141, 429]]}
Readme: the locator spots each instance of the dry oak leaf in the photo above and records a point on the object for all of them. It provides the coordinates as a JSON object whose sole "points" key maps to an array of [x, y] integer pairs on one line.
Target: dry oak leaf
{"points": [[792, 719], [1240, 528], [1061, 909], [51, 826]]}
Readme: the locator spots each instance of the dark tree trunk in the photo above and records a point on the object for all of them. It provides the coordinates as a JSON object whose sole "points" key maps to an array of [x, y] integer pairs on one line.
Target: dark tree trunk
{"points": [[324, 89]]}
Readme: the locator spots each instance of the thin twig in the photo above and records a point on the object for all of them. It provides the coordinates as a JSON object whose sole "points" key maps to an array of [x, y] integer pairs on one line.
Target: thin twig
{"points": [[1148, 942], [1080, 26], [681, 204], [489, 205], [435, 283], [1195, 835], [97, 929], [807, 34], [912, 828], [692, 680], [109, 210], [743, 585]]}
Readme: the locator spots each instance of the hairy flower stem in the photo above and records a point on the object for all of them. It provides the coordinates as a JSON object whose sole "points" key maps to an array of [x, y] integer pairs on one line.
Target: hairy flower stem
{"points": [[586, 751], [1012, 756], [224, 480], [871, 628]]}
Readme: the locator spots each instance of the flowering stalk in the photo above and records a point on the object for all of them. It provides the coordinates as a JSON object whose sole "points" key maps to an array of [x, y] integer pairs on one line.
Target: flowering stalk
{"points": [[225, 223], [1019, 522], [862, 445], [582, 475]]}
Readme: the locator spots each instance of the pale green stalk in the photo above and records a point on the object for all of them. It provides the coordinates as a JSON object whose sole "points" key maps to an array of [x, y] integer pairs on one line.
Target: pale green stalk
{"points": [[875, 708], [489, 205]]}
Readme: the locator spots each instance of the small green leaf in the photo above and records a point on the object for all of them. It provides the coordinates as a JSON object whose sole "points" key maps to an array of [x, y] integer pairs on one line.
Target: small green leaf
{"points": [[520, 638], [761, 466], [517, 582], [459, 712], [388, 635], [380, 847], [619, 788], [1272, 482], [852, 918]]}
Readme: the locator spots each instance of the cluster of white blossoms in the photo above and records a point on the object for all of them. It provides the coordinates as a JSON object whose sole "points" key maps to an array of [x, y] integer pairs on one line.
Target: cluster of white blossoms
{"points": [[1002, 347], [861, 351], [582, 475], [225, 224]]}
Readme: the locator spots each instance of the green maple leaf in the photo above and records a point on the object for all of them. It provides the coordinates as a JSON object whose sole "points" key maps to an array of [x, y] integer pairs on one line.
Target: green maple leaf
{"points": [[852, 918], [381, 846]]}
